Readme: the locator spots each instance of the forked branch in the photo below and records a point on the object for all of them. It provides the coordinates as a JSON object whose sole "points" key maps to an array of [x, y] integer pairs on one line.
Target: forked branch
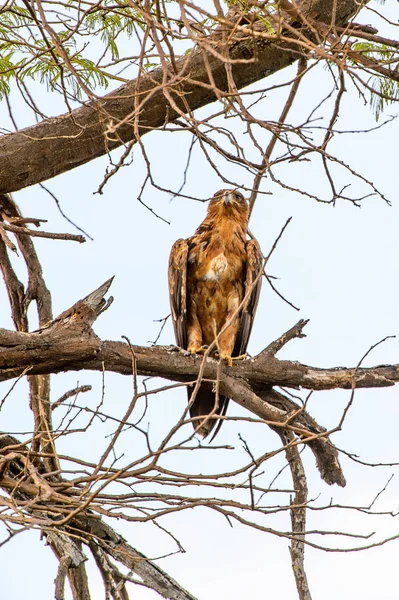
{"points": [[69, 343]]}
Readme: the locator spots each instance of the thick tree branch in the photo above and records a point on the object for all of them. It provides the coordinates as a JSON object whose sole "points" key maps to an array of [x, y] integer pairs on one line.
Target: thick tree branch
{"points": [[59, 144], [71, 559], [117, 547], [20, 299], [69, 343], [49, 351], [324, 451]]}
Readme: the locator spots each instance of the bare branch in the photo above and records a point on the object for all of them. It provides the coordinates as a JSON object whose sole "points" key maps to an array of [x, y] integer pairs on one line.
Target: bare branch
{"points": [[57, 145], [45, 234]]}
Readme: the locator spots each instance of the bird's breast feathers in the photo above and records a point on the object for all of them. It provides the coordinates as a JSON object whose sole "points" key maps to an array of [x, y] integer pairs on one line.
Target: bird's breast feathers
{"points": [[215, 258], [222, 267], [216, 268]]}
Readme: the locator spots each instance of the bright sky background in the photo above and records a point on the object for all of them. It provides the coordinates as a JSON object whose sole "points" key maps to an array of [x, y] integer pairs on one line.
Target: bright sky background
{"points": [[338, 264]]}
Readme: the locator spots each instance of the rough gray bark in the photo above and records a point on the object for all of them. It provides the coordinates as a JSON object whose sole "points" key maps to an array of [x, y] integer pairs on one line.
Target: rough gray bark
{"points": [[71, 565], [49, 351], [59, 144], [298, 518], [298, 513]]}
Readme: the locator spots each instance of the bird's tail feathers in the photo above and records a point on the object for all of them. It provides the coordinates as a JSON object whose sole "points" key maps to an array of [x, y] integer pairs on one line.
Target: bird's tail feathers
{"points": [[206, 406]]}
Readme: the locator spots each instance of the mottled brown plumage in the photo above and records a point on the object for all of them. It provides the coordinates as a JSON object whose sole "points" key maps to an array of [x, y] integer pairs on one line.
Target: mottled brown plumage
{"points": [[210, 274]]}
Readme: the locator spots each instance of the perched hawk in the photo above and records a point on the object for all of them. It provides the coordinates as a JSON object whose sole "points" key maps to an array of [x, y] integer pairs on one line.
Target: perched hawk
{"points": [[209, 275]]}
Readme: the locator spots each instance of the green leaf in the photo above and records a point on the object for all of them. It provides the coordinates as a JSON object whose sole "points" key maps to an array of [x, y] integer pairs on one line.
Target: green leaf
{"points": [[386, 90]]}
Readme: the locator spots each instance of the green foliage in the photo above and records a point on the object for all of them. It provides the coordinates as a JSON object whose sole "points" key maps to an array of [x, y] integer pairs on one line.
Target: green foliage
{"points": [[6, 70], [389, 90], [109, 24], [27, 49], [385, 90], [242, 4]]}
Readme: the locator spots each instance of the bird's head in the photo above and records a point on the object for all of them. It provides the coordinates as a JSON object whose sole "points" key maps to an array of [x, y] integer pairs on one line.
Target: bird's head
{"points": [[229, 202]]}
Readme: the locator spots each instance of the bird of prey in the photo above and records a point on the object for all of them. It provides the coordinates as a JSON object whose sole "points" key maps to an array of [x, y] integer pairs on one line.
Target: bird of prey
{"points": [[214, 285]]}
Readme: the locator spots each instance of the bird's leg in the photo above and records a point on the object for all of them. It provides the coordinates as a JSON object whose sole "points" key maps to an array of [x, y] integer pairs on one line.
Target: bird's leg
{"points": [[194, 335], [227, 341]]}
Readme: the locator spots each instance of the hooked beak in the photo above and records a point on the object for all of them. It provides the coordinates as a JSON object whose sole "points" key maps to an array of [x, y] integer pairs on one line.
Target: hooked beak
{"points": [[227, 197]]}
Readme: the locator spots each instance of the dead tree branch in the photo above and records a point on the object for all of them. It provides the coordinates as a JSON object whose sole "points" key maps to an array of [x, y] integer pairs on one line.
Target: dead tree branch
{"points": [[59, 347], [88, 529], [68, 343]]}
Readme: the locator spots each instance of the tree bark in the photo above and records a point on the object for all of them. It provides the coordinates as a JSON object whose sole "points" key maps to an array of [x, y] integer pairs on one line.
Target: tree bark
{"points": [[59, 144], [47, 352]]}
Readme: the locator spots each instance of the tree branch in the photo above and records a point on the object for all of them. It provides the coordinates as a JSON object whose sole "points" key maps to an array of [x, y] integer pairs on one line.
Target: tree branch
{"points": [[89, 529], [52, 351], [69, 343], [59, 144], [71, 559]]}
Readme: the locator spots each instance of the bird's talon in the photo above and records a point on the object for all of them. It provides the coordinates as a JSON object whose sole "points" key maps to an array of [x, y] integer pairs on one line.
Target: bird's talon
{"points": [[241, 357], [173, 348], [199, 350], [227, 358]]}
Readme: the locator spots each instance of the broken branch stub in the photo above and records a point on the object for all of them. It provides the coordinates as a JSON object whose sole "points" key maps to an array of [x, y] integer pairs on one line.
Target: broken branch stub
{"points": [[84, 312]]}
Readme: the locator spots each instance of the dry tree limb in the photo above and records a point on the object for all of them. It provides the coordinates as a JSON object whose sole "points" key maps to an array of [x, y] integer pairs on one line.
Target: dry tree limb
{"points": [[297, 511], [279, 343], [25, 221], [299, 502], [71, 560], [58, 347], [298, 516], [15, 289], [6, 239], [114, 583], [39, 387], [116, 546], [323, 449], [84, 527], [74, 392], [69, 343], [69, 237], [20, 300]]}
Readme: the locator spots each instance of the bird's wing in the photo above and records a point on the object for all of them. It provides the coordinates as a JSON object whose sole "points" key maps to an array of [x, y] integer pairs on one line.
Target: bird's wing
{"points": [[177, 279], [253, 283]]}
